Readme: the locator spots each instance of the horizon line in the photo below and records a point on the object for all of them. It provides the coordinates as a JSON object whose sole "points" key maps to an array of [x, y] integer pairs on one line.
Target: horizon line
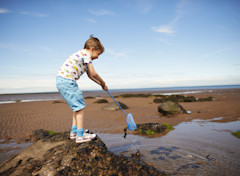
{"points": [[128, 89]]}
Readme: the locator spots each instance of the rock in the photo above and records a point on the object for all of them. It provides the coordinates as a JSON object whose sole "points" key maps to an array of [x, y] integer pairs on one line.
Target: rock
{"points": [[58, 155], [171, 108], [150, 129], [114, 107], [206, 99], [40, 134], [180, 98], [175, 98], [101, 101], [147, 128]]}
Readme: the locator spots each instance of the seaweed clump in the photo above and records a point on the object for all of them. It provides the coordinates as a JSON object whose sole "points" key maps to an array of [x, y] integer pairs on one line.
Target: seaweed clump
{"points": [[237, 134]]}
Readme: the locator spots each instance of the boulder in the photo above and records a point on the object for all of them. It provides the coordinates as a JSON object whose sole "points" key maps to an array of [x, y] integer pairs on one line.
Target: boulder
{"points": [[114, 107], [171, 108], [56, 154]]}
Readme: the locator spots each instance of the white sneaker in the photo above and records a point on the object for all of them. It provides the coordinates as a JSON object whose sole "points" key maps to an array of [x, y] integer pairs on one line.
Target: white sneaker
{"points": [[82, 139], [89, 136], [73, 135], [85, 138]]}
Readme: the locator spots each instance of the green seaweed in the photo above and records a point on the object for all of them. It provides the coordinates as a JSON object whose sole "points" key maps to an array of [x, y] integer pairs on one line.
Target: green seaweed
{"points": [[18, 101], [237, 134], [50, 132], [150, 132], [169, 127]]}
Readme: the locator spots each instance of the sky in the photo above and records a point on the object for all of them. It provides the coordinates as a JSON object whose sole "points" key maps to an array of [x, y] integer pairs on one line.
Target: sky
{"points": [[148, 43]]}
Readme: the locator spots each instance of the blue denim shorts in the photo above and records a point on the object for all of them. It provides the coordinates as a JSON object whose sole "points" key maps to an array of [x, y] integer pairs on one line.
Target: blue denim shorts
{"points": [[71, 93]]}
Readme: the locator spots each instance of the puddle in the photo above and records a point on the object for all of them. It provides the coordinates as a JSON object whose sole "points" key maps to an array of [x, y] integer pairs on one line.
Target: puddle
{"points": [[10, 149], [200, 147]]}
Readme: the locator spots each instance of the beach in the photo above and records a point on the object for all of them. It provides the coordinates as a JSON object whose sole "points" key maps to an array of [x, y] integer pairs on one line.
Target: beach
{"points": [[201, 142], [18, 120]]}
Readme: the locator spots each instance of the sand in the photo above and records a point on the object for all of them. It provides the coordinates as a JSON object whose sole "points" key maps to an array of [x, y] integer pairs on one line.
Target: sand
{"points": [[17, 120]]}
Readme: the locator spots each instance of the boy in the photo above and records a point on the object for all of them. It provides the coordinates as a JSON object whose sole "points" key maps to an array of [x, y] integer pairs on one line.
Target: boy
{"points": [[69, 73]]}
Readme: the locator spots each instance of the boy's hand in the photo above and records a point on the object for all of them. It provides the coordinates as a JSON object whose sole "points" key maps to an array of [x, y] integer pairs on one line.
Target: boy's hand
{"points": [[104, 87]]}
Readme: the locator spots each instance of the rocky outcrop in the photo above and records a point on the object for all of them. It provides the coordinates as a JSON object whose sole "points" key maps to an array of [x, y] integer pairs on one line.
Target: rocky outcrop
{"points": [[180, 98], [171, 108], [56, 154]]}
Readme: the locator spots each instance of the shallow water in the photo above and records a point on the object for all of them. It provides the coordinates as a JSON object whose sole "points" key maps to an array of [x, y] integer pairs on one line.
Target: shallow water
{"points": [[10, 149], [200, 147]]}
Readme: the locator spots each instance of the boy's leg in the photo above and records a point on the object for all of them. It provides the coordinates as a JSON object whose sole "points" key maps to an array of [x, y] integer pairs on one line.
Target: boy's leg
{"points": [[81, 136], [73, 133], [79, 118], [74, 123]]}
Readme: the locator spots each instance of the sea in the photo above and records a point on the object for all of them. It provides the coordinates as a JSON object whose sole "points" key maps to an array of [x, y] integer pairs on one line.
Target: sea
{"points": [[46, 96]]}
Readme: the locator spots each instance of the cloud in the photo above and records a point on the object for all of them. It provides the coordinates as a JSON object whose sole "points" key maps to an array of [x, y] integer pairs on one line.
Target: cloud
{"points": [[3, 10], [34, 14], [164, 29], [169, 28], [101, 12], [90, 20], [144, 5]]}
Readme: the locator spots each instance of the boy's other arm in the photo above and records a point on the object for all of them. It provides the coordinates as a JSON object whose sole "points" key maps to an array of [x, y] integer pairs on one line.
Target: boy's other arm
{"points": [[92, 74]]}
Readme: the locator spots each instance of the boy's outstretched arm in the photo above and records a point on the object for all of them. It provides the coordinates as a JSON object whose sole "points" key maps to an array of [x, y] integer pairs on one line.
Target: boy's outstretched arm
{"points": [[92, 74]]}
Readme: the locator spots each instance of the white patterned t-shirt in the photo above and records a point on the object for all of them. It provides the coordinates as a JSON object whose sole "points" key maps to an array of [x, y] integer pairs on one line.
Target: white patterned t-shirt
{"points": [[75, 65]]}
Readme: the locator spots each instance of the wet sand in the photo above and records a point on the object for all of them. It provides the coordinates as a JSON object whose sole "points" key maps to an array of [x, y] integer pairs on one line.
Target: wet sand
{"points": [[17, 120]]}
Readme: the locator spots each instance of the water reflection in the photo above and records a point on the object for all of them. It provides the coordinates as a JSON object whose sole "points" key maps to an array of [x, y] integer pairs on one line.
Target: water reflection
{"points": [[200, 147]]}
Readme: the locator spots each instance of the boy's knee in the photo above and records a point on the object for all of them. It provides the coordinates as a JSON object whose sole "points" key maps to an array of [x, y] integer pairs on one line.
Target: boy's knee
{"points": [[79, 111]]}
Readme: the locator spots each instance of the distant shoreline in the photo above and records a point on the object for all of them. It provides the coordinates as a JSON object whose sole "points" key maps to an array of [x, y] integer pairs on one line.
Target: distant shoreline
{"points": [[237, 86]]}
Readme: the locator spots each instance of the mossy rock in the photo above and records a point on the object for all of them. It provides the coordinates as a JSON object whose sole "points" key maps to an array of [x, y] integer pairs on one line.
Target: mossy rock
{"points": [[206, 99], [169, 127], [175, 98], [101, 101], [180, 98], [237, 134], [150, 128], [40, 134]]}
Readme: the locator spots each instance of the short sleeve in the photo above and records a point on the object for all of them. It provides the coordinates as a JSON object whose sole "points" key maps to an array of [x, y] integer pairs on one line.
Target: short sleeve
{"points": [[86, 60]]}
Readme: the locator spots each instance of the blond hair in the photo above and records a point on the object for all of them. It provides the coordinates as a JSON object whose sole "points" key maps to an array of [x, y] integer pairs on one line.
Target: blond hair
{"points": [[95, 43]]}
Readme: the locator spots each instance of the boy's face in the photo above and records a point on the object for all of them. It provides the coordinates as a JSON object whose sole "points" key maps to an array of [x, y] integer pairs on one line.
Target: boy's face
{"points": [[95, 53]]}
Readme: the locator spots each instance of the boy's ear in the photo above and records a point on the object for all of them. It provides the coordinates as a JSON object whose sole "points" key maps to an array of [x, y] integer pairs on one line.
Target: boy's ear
{"points": [[92, 49]]}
